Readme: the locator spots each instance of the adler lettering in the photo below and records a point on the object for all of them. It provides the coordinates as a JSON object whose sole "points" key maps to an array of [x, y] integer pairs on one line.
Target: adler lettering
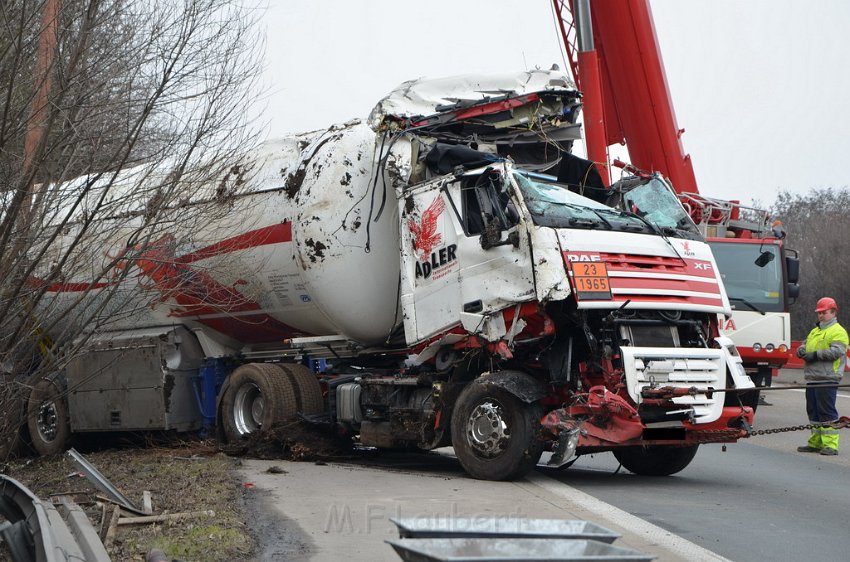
{"points": [[439, 258]]}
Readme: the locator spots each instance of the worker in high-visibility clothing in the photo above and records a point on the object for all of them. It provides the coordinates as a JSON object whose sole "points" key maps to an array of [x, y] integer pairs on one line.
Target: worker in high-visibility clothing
{"points": [[824, 352]]}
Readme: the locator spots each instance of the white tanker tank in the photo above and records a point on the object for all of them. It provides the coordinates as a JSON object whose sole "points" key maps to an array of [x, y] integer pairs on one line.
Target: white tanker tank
{"points": [[309, 247]]}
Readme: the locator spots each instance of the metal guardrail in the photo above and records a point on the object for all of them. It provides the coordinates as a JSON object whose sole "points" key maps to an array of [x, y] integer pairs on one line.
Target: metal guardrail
{"points": [[38, 531]]}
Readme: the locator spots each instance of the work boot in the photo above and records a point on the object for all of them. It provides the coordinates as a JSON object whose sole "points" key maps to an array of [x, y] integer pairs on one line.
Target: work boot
{"points": [[827, 451], [807, 449], [763, 402]]}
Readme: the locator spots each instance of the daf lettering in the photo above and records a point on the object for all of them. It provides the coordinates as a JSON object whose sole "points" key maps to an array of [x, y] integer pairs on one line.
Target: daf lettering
{"points": [[582, 257]]}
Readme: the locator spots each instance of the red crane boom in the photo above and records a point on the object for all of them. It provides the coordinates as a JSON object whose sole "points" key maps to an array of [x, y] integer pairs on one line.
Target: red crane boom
{"points": [[636, 106]]}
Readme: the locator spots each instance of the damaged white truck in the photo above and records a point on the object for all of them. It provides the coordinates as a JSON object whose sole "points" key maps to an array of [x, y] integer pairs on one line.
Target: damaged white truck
{"points": [[455, 276]]}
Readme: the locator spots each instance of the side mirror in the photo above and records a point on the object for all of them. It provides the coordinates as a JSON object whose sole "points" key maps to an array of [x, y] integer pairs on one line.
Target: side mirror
{"points": [[792, 265], [765, 258], [793, 291]]}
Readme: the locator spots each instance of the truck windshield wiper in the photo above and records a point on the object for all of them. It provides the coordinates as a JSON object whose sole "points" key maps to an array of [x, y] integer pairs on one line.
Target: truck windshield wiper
{"points": [[654, 227], [748, 304], [584, 223]]}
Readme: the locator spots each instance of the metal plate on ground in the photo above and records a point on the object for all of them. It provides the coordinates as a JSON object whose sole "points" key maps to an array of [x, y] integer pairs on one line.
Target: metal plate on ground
{"points": [[501, 527], [519, 550]]}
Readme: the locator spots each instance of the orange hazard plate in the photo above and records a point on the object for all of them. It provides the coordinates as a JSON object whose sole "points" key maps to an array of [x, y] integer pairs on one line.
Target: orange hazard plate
{"points": [[591, 280]]}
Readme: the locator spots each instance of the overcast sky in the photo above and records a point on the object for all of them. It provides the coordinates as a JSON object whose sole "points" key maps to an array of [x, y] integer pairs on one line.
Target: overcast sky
{"points": [[760, 86]]}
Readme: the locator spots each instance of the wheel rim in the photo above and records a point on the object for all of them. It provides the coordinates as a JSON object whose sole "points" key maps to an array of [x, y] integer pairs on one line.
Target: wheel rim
{"points": [[47, 421], [248, 409], [486, 429]]}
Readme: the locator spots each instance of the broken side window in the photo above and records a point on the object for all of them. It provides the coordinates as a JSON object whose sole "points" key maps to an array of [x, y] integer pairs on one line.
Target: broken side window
{"points": [[486, 199]]}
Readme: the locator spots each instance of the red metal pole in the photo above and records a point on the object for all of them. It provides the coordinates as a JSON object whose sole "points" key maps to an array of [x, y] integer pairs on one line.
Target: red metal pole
{"points": [[594, 118], [43, 79], [588, 69], [635, 78]]}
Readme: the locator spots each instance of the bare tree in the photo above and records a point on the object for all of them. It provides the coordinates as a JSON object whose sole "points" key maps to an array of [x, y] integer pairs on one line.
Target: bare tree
{"points": [[817, 227], [121, 123]]}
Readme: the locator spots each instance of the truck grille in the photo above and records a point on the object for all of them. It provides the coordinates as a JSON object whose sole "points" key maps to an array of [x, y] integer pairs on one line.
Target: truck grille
{"points": [[679, 367], [662, 282]]}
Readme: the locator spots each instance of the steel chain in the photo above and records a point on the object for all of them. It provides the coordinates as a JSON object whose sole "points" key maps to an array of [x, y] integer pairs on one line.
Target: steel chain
{"points": [[717, 435], [841, 423], [780, 430]]}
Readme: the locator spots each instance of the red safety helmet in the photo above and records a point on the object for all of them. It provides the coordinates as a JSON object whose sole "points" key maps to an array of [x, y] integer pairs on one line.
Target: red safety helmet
{"points": [[826, 303]]}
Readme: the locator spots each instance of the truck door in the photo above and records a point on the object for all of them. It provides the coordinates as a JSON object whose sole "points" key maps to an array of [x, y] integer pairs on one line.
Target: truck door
{"points": [[465, 256]]}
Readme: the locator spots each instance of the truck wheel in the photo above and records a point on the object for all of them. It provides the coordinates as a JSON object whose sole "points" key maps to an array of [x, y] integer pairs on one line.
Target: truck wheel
{"points": [[258, 396], [308, 392], [656, 460], [495, 434], [47, 418]]}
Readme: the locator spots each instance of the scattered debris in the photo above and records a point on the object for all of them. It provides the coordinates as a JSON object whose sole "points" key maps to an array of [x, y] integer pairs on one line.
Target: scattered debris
{"points": [[147, 503], [165, 517], [99, 480], [126, 509], [112, 528], [203, 484], [274, 469]]}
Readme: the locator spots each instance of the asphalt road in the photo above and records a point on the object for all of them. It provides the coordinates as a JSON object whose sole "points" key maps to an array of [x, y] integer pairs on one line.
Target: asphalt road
{"points": [[757, 500], [760, 499]]}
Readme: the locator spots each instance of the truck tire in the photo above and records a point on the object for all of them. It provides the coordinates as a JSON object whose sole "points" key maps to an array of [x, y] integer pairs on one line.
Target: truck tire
{"points": [[47, 418], [655, 460], [308, 392], [494, 433], [258, 396]]}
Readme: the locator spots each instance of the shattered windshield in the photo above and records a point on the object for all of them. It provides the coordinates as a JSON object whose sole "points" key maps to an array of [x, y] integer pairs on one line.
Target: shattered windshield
{"points": [[555, 206], [654, 201]]}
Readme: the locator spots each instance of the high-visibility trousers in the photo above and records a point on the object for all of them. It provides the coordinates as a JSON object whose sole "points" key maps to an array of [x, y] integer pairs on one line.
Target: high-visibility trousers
{"points": [[824, 437]]}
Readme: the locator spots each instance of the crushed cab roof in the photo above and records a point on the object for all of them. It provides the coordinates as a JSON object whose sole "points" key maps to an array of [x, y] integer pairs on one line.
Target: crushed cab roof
{"points": [[415, 101]]}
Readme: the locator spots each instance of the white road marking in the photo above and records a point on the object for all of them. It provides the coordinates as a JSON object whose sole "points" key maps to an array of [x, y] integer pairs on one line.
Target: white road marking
{"points": [[649, 532], [804, 390]]}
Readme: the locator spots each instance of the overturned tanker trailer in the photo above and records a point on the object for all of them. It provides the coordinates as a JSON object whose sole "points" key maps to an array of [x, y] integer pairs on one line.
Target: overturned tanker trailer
{"points": [[449, 267]]}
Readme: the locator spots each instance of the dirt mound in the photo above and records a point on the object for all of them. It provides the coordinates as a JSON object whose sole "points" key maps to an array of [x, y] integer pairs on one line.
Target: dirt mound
{"points": [[295, 441]]}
